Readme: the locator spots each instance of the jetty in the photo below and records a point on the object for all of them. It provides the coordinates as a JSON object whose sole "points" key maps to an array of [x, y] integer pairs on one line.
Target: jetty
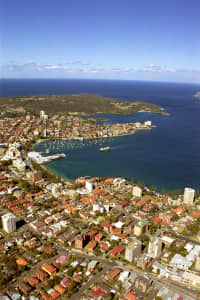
{"points": [[39, 159]]}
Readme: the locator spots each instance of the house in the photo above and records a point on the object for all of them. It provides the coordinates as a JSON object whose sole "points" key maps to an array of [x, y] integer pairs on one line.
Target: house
{"points": [[98, 237], [143, 201], [62, 258], [81, 241], [65, 282], [91, 234], [91, 265], [25, 288], [168, 241], [46, 296], [97, 293], [106, 226], [117, 250], [41, 275], [143, 261], [49, 250], [54, 294], [60, 289], [36, 176], [195, 213], [166, 217], [22, 262], [143, 283], [37, 225], [130, 296], [113, 274], [104, 246], [77, 277], [49, 269], [83, 214], [33, 281], [91, 245]]}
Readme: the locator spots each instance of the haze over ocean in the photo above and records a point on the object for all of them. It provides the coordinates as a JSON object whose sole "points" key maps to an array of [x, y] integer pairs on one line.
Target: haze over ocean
{"points": [[167, 157]]}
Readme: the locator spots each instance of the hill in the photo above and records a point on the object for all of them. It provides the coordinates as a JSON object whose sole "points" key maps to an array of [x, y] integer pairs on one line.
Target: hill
{"points": [[81, 103]]}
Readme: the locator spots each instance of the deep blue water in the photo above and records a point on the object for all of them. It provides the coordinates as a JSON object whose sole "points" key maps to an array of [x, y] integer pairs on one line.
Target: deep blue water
{"points": [[167, 156]]}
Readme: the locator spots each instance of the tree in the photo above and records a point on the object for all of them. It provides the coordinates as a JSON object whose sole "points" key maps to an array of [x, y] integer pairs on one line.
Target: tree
{"points": [[141, 185], [175, 193]]}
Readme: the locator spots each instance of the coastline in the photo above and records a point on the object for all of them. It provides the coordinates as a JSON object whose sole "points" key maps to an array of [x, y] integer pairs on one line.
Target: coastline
{"points": [[39, 141], [53, 172]]}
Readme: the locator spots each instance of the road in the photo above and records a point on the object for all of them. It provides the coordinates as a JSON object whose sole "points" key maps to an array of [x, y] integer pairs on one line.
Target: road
{"points": [[107, 265]]}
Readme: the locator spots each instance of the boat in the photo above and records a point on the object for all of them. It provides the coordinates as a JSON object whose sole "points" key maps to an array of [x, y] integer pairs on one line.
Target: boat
{"points": [[105, 149]]}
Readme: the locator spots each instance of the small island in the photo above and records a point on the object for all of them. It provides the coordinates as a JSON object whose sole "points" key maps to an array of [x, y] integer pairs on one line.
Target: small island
{"points": [[197, 94], [78, 104]]}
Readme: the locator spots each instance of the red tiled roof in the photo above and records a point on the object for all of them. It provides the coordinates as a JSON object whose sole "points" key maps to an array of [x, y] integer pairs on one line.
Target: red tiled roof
{"points": [[114, 273], [130, 296], [117, 250]]}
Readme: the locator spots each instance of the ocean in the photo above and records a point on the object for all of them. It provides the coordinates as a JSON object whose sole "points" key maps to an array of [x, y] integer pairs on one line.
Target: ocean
{"points": [[168, 156]]}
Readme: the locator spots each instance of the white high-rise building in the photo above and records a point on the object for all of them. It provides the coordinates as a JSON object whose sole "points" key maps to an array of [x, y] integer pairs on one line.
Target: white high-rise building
{"points": [[42, 113], [133, 250], [9, 222], [155, 247], [137, 191], [57, 189], [89, 186], [148, 123], [188, 197]]}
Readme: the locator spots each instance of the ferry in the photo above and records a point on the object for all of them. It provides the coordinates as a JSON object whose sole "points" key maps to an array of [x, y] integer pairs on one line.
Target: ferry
{"points": [[105, 149]]}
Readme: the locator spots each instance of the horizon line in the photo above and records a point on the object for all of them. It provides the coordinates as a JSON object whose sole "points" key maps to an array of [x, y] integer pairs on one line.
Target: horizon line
{"points": [[96, 79]]}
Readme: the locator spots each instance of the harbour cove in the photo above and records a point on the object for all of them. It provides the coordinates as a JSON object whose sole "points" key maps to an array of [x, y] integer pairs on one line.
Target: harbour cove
{"points": [[166, 156], [128, 158]]}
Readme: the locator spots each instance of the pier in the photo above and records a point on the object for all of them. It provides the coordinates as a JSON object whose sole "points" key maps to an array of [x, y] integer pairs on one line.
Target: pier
{"points": [[39, 159]]}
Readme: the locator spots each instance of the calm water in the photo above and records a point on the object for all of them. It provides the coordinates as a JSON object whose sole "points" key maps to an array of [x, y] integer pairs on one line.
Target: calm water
{"points": [[167, 156]]}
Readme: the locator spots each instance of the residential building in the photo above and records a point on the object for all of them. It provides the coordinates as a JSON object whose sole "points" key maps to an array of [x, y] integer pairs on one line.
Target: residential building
{"points": [[197, 263], [188, 197], [81, 241], [9, 222], [141, 227], [89, 185], [133, 250], [42, 113], [137, 191], [155, 247]]}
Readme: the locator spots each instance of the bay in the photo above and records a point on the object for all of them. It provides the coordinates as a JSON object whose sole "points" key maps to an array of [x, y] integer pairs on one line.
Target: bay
{"points": [[167, 156]]}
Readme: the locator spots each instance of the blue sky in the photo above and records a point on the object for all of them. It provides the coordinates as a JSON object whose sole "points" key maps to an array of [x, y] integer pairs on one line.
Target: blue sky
{"points": [[122, 39]]}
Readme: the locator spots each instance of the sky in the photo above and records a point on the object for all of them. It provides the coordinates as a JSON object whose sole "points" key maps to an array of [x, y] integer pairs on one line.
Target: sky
{"points": [[153, 40]]}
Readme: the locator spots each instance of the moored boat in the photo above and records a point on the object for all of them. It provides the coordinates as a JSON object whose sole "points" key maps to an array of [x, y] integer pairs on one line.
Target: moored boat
{"points": [[105, 149]]}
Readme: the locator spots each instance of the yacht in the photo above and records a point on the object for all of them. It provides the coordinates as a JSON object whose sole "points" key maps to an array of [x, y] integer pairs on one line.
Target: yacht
{"points": [[105, 149]]}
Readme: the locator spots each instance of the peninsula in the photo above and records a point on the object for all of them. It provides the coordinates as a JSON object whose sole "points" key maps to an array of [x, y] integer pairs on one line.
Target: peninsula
{"points": [[80, 104]]}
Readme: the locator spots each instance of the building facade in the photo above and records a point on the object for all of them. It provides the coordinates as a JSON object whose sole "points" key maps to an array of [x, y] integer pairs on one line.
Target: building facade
{"points": [[188, 197], [9, 222]]}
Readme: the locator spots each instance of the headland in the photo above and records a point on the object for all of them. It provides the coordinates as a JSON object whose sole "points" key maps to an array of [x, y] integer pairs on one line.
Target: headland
{"points": [[78, 104]]}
